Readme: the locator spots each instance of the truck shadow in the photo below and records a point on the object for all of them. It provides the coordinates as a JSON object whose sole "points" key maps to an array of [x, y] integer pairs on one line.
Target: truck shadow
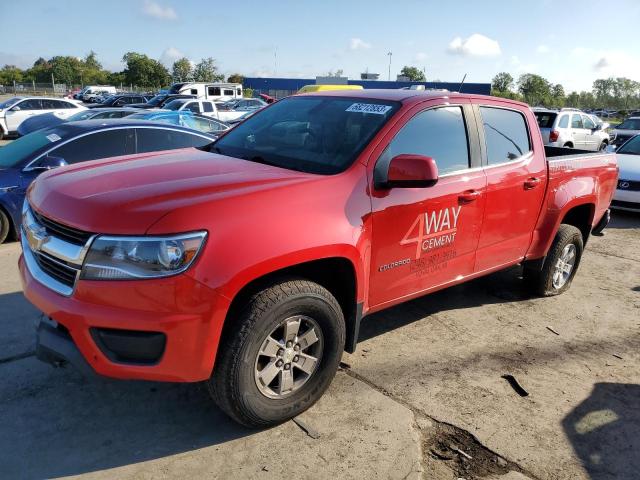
{"points": [[500, 287], [621, 219], [603, 431]]}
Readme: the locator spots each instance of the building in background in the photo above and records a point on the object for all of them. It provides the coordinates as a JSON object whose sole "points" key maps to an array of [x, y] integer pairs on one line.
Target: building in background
{"points": [[283, 87]]}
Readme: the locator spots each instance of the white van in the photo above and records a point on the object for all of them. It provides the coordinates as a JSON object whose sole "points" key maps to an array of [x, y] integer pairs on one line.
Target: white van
{"points": [[209, 91], [92, 91]]}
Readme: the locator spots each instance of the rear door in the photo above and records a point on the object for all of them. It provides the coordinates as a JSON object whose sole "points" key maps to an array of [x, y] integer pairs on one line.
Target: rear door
{"points": [[426, 237], [516, 174], [577, 131]]}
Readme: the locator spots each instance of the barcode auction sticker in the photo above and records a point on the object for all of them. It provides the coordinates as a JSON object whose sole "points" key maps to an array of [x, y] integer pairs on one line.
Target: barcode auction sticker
{"points": [[369, 108], [53, 137]]}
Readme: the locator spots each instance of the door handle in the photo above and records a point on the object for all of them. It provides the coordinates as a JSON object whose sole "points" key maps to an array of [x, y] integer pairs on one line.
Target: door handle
{"points": [[468, 196], [531, 183]]}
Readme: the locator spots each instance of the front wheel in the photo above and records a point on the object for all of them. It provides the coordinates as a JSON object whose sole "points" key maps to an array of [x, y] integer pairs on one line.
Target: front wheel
{"points": [[279, 355], [561, 263], [5, 226]]}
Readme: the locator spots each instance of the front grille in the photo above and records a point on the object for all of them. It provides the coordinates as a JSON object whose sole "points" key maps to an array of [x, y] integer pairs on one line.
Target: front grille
{"points": [[56, 269], [629, 185], [69, 234]]}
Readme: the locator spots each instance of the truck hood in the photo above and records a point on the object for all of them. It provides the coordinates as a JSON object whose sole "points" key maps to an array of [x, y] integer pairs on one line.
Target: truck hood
{"points": [[126, 195]]}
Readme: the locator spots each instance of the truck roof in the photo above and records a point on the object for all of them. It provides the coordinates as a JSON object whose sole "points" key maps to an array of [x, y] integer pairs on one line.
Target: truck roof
{"points": [[405, 96]]}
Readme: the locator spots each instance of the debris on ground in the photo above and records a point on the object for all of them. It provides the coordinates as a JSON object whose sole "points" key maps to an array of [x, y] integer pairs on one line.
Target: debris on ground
{"points": [[516, 385], [617, 356], [312, 432], [552, 330]]}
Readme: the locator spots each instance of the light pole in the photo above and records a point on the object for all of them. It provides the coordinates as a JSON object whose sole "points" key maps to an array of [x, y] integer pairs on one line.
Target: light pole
{"points": [[390, 54]]}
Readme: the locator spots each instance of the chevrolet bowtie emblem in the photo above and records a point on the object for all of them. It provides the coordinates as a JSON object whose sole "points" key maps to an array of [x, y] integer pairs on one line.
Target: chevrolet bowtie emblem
{"points": [[36, 236]]}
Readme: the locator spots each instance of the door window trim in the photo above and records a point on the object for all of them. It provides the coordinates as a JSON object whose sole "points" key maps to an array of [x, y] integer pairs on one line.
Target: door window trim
{"points": [[524, 159], [473, 147]]}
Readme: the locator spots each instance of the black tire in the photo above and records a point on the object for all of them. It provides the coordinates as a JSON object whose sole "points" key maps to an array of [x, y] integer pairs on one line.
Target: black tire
{"points": [[603, 146], [568, 145], [233, 385], [5, 226], [541, 282]]}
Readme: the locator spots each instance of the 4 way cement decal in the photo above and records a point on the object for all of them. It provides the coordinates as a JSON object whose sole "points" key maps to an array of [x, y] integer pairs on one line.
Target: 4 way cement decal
{"points": [[432, 230]]}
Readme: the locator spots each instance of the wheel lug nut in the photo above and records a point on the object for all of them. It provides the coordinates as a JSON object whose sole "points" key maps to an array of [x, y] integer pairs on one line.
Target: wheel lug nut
{"points": [[297, 348], [279, 363], [296, 358], [289, 343], [287, 366], [280, 352]]}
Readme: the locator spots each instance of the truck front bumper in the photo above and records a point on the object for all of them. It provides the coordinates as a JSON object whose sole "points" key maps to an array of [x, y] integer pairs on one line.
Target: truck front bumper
{"points": [[162, 330]]}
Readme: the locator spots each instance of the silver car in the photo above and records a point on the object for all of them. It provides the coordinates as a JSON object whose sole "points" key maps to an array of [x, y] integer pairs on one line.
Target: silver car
{"points": [[571, 128]]}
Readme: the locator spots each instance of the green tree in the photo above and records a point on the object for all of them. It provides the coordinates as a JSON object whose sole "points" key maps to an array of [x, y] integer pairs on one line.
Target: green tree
{"points": [[143, 71], [535, 89], [558, 96], [235, 78], [627, 89], [414, 73], [91, 61], [182, 70], [206, 71], [10, 74], [502, 82]]}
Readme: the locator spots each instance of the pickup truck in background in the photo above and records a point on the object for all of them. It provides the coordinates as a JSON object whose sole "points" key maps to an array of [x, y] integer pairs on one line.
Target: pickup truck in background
{"points": [[249, 263]]}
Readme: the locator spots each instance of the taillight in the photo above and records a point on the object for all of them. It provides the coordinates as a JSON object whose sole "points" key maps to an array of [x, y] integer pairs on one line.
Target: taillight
{"points": [[553, 136]]}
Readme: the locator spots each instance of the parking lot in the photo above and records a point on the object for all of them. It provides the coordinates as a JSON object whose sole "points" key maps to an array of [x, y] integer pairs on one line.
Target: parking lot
{"points": [[423, 396]]}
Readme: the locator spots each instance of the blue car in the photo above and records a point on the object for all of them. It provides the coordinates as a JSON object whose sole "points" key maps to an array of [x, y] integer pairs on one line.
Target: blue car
{"points": [[51, 119], [22, 160]]}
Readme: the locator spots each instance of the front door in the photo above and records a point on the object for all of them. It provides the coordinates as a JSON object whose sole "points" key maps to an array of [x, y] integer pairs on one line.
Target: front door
{"points": [[591, 135], [21, 111], [426, 237]]}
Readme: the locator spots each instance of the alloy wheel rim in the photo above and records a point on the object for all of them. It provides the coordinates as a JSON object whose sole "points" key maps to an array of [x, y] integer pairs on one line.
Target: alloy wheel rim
{"points": [[288, 357], [564, 266]]}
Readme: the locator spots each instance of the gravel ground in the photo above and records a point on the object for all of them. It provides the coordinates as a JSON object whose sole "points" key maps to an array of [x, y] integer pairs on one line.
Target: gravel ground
{"points": [[422, 397]]}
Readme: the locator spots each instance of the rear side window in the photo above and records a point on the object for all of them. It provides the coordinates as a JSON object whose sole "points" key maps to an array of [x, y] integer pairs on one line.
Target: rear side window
{"points": [[194, 107], [439, 133], [110, 143], [545, 119], [576, 121], [207, 106], [506, 134], [564, 121], [156, 139]]}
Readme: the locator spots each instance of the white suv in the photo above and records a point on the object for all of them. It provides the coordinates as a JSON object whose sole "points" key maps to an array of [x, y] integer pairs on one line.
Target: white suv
{"points": [[571, 128], [17, 109]]}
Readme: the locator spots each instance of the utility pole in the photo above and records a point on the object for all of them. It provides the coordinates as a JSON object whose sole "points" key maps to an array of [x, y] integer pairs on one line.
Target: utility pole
{"points": [[390, 54], [275, 62]]}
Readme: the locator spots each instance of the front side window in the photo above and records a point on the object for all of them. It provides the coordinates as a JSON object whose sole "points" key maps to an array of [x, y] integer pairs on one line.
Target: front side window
{"points": [[311, 134], [632, 147], [439, 133], [588, 123], [193, 107], [506, 135], [105, 144], [207, 106], [630, 124], [31, 104], [158, 139]]}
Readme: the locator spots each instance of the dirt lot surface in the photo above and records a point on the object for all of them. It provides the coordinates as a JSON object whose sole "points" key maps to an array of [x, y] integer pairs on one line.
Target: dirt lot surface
{"points": [[423, 397]]}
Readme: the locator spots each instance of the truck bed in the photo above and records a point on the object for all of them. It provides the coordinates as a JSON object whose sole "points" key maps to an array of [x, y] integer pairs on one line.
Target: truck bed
{"points": [[557, 153]]}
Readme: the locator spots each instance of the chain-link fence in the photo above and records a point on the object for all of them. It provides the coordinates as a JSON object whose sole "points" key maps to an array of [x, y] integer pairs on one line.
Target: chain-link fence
{"points": [[55, 89]]}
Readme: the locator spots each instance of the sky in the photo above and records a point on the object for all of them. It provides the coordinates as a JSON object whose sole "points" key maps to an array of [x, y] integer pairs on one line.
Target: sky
{"points": [[566, 41]]}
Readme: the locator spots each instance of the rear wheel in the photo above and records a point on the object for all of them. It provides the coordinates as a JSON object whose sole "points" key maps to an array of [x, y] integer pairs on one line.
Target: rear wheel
{"points": [[279, 355], [561, 263], [5, 226]]}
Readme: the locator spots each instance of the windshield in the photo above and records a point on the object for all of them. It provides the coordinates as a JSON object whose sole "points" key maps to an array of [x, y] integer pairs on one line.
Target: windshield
{"points": [[21, 149], [157, 100], [9, 102], [632, 147], [173, 105], [630, 124], [545, 119], [310, 134]]}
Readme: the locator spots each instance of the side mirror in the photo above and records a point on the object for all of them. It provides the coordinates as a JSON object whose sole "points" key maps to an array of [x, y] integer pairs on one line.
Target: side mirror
{"points": [[409, 171], [49, 163]]}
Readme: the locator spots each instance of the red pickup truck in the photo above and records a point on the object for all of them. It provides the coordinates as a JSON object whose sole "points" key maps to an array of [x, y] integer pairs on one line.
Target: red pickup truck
{"points": [[250, 263]]}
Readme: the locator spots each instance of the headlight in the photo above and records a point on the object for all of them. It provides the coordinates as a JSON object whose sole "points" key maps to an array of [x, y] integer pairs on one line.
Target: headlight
{"points": [[130, 258]]}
